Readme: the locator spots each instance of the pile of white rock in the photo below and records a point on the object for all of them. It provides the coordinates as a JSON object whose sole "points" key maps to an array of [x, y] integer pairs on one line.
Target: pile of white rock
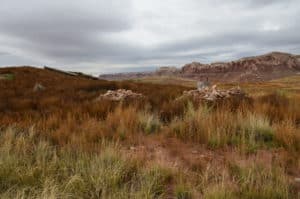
{"points": [[119, 95], [213, 94]]}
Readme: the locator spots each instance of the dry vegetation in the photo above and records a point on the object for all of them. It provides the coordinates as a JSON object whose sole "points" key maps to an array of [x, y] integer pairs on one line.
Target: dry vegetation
{"points": [[61, 143]]}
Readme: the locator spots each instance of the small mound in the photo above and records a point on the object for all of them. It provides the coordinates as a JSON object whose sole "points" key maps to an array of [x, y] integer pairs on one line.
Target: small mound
{"points": [[120, 94]]}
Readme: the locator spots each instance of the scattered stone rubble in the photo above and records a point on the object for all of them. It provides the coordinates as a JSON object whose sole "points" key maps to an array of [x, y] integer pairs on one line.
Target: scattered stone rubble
{"points": [[119, 95], [213, 94]]}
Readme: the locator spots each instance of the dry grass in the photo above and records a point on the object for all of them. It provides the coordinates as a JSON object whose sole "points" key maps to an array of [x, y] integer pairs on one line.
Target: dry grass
{"points": [[44, 134], [33, 168]]}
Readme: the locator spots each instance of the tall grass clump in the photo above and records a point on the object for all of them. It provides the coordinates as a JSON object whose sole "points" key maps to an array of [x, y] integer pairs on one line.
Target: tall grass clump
{"points": [[221, 127], [253, 181], [122, 123], [129, 122], [149, 123], [193, 125], [153, 182], [183, 192], [255, 132], [219, 191], [257, 181], [288, 135], [278, 106]]}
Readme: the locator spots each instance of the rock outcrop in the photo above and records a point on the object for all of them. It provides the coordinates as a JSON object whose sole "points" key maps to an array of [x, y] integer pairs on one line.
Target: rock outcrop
{"points": [[250, 69], [120, 94], [258, 68]]}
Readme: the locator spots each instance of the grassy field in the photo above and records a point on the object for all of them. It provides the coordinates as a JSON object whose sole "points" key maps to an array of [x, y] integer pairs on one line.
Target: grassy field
{"points": [[287, 84], [168, 80], [61, 143]]}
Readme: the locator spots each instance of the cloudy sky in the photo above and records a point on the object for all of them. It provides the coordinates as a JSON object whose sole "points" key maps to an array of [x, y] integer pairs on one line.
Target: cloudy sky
{"points": [[98, 36]]}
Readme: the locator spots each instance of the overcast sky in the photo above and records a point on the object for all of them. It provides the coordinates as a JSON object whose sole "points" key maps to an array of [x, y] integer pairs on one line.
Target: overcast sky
{"points": [[96, 36]]}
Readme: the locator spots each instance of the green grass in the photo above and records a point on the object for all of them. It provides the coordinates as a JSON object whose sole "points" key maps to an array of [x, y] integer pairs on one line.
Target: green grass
{"points": [[8, 76], [149, 123]]}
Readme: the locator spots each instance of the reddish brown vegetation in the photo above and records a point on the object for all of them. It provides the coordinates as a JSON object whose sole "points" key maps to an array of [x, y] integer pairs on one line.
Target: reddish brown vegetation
{"points": [[209, 141]]}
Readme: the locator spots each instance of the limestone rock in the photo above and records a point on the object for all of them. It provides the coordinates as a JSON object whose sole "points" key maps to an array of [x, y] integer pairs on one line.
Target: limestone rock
{"points": [[213, 94], [119, 95]]}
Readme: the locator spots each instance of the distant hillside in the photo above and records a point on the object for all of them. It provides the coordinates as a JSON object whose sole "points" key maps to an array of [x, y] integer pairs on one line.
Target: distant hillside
{"points": [[161, 71], [250, 69]]}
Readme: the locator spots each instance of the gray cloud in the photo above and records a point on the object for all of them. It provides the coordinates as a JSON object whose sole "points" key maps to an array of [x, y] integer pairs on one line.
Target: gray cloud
{"points": [[258, 3], [255, 4], [92, 34]]}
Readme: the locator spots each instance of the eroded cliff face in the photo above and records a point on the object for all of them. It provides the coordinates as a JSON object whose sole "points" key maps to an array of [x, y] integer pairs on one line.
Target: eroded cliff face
{"points": [[263, 67], [249, 69]]}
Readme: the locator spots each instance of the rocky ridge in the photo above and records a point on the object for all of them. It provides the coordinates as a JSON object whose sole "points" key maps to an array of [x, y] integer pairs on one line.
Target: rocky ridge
{"points": [[250, 69], [259, 68]]}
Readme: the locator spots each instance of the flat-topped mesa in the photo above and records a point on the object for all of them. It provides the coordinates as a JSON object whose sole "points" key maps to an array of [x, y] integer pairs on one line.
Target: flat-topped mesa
{"points": [[264, 63]]}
